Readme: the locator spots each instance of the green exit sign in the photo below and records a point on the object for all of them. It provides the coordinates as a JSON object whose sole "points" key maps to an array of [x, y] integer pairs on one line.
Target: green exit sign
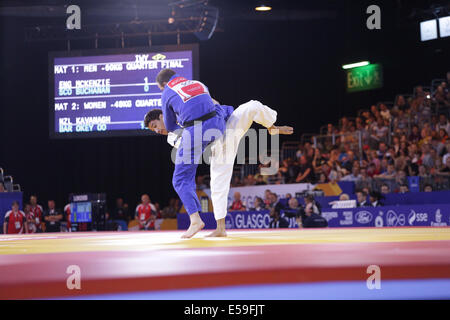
{"points": [[365, 78]]}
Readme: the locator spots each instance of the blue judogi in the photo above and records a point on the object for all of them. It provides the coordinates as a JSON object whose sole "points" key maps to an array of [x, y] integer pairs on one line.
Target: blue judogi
{"points": [[182, 102]]}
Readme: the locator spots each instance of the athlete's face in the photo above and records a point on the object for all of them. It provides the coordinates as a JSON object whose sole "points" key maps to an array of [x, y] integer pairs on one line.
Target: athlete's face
{"points": [[157, 125]]}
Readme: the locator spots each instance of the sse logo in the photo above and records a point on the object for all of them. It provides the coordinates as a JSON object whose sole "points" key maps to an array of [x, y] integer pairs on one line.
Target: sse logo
{"points": [[363, 217], [417, 217]]}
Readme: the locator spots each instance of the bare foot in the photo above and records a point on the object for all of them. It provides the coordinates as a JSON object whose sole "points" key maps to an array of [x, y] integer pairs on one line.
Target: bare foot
{"points": [[193, 229], [280, 130], [217, 233]]}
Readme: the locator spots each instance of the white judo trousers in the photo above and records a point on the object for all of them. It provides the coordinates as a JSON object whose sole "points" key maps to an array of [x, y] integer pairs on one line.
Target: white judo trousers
{"points": [[224, 150]]}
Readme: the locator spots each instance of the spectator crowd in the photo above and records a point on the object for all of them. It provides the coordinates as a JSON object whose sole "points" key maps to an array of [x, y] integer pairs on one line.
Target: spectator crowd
{"points": [[378, 149]]}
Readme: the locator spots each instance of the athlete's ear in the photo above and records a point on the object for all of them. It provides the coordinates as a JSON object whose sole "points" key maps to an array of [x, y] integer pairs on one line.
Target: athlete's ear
{"points": [[161, 117]]}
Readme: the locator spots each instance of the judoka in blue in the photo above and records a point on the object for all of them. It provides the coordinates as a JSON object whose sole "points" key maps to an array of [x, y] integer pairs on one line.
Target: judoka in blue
{"points": [[183, 102]]}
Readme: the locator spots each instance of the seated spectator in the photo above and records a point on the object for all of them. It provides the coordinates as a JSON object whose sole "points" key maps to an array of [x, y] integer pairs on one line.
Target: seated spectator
{"points": [[423, 172], [120, 212], [365, 180], [273, 200], [291, 210], [335, 172], [354, 176], [344, 197], [400, 103], [299, 151], [379, 130], [200, 184], [52, 218], [375, 198], [400, 178], [276, 221], [382, 150], [260, 180], [446, 169], [384, 111], [348, 160], [415, 134], [2, 187], [385, 189], [404, 188], [361, 199], [250, 180], [170, 212], [428, 188], [389, 174], [15, 220], [441, 97], [322, 178], [258, 205], [373, 170], [306, 172], [318, 161], [236, 182], [443, 123], [267, 197], [237, 204], [443, 136]]}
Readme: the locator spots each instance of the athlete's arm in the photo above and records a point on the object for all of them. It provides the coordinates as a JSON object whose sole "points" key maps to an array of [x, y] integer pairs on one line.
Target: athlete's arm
{"points": [[169, 116]]}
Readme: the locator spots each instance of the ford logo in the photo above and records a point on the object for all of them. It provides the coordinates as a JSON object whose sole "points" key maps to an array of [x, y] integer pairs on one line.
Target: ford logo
{"points": [[363, 217]]}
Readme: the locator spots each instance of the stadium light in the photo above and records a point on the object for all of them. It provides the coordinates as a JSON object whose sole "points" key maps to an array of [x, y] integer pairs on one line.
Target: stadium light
{"points": [[263, 7], [354, 65]]}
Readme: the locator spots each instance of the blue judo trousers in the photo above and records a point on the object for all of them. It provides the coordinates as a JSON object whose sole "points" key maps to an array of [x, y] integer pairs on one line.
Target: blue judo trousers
{"points": [[184, 101]]}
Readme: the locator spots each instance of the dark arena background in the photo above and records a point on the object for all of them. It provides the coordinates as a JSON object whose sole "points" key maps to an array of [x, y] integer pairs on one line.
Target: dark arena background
{"points": [[364, 84]]}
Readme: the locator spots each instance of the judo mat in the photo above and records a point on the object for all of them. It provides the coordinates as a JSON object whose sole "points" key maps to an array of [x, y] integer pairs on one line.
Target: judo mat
{"points": [[332, 263]]}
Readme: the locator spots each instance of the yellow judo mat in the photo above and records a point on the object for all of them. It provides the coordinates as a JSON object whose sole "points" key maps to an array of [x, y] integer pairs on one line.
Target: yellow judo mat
{"points": [[157, 240]]}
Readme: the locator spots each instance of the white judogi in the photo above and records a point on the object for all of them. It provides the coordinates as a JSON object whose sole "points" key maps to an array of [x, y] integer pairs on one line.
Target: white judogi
{"points": [[224, 150]]}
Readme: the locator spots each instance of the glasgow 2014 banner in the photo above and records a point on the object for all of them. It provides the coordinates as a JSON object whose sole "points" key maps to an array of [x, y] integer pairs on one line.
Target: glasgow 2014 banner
{"points": [[392, 216]]}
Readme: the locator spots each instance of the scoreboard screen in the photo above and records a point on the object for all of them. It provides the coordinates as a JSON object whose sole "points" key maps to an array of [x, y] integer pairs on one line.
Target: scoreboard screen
{"points": [[105, 93], [80, 212]]}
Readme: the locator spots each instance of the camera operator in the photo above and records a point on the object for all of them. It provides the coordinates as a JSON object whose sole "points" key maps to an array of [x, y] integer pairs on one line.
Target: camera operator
{"points": [[317, 208], [310, 216]]}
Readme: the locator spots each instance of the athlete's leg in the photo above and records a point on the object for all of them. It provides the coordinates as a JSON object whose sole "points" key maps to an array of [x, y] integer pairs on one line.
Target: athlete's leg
{"points": [[224, 152], [184, 182]]}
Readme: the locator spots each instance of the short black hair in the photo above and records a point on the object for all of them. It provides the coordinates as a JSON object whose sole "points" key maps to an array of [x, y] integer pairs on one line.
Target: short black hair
{"points": [[151, 115], [362, 192], [164, 76]]}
